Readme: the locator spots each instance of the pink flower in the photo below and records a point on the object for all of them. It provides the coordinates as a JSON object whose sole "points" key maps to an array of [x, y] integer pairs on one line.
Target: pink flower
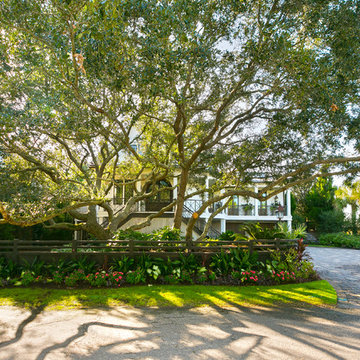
{"points": [[278, 274]]}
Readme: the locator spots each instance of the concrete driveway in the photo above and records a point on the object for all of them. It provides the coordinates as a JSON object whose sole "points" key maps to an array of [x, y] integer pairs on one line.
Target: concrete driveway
{"points": [[208, 333], [341, 267]]}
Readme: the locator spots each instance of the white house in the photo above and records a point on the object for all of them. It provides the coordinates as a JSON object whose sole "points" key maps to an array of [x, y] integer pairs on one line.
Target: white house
{"points": [[240, 210]]}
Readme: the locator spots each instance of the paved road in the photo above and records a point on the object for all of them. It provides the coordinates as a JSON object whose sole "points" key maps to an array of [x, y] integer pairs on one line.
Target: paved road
{"points": [[210, 333], [341, 267]]}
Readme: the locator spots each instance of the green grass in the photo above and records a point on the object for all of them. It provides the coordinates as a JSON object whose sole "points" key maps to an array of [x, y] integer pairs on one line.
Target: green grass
{"points": [[313, 293]]}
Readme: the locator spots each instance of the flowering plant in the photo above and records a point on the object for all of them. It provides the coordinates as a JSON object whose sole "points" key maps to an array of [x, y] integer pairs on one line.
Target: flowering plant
{"points": [[250, 276], [135, 277], [77, 276], [27, 277], [283, 276]]}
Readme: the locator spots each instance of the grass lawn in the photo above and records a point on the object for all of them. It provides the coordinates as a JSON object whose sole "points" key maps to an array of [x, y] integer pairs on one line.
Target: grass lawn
{"points": [[314, 293]]}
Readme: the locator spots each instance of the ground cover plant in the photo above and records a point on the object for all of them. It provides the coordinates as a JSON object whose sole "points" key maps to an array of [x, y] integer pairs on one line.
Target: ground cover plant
{"points": [[340, 239], [313, 293]]}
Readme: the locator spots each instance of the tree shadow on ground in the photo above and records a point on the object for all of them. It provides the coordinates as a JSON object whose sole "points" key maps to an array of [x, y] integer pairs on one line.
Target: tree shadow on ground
{"points": [[215, 332]]}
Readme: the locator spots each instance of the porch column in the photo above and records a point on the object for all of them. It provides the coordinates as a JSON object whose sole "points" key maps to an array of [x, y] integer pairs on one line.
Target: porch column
{"points": [[222, 225], [206, 196], [289, 225], [288, 203], [256, 202], [175, 181]]}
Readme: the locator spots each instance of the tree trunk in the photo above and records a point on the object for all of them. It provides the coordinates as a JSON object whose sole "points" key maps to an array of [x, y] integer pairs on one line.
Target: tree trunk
{"points": [[189, 230], [181, 198], [353, 218]]}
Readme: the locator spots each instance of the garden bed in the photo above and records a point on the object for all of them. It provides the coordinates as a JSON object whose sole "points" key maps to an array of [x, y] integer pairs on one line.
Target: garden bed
{"points": [[234, 267]]}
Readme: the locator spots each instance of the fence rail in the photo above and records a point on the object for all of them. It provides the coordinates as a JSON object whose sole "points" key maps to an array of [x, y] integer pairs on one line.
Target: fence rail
{"points": [[21, 248]]}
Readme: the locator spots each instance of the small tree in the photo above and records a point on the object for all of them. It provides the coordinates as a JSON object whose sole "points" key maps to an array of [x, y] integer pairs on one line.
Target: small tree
{"points": [[350, 194]]}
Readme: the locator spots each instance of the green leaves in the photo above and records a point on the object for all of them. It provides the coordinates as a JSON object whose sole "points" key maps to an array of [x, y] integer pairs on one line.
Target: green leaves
{"points": [[233, 88]]}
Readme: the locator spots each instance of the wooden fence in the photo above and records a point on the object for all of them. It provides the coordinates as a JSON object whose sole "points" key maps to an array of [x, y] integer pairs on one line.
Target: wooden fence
{"points": [[48, 249]]}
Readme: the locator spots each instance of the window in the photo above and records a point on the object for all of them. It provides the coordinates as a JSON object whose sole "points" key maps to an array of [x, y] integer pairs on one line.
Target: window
{"points": [[161, 198], [123, 192]]}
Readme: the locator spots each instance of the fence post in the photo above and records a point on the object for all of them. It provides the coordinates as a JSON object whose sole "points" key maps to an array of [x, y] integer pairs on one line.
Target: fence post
{"points": [[16, 250], [251, 246], [74, 246], [277, 244], [131, 247]]}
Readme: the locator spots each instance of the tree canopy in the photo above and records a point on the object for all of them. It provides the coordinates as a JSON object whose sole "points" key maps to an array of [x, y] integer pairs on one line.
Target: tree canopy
{"points": [[96, 92]]}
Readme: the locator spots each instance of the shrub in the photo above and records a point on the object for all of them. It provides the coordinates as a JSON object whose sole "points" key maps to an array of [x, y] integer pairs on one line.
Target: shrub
{"points": [[331, 221], [212, 276], [227, 236], [340, 240], [153, 271], [37, 267], [58, 277], [283, 276], [124, 265], [83, 264], [173, 278], [27, 277], [189, 262], [306, 270], [131, 235], [98, 279], [166, 234], [187, 276], [201, 278], [135, 277], [116, 278], [75, 278], [9, 269], [237, 259], [283, 232]]}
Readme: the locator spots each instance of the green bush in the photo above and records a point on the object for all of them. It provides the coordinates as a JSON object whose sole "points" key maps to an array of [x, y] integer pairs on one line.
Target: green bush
{"points": [[331, 221], [75, 278], [166, 234], [135, 277], [27, 278], [224, 262], [340, 239], [227, 236], [9, 269]]}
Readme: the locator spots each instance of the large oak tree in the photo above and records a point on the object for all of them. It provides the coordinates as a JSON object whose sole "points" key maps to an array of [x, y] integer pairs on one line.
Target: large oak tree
{"points": [[238, 89]]}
